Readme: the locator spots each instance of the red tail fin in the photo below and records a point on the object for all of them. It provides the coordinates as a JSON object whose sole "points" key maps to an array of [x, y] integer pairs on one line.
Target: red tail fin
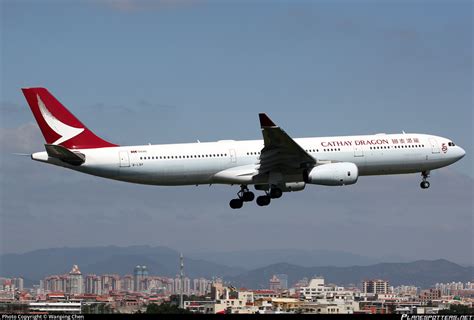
{"points": [[58, 125]]}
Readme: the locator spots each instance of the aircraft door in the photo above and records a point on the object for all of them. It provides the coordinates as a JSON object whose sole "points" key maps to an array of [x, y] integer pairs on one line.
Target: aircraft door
{"points": [[124, 159], [434, 145], [358, 152], [233, 157]]}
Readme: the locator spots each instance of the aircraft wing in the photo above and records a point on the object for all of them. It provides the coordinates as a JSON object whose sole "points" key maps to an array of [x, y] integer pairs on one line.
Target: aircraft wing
{"points": [[281, 154]]}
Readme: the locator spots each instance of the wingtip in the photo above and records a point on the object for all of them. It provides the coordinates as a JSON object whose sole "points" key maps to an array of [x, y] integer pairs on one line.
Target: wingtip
{"points": [[265, 121]]}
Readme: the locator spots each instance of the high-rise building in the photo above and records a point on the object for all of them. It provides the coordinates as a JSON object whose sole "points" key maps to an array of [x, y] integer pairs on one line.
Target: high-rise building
{"points": [[283, 280], [74, 283], [137, 276], [201, 286], [110, 283], [140, 274], [56, 283], [275, 283], [18, 282], [169, 285], [177, 285], [127, 283], [93, 284], [375, 286], [186, 286], [156, 285]]}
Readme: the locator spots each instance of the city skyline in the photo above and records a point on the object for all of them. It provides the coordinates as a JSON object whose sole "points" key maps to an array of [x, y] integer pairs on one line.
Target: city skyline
{"points": [[179, 72], [75, 292], [145, 261], [76, 282]]}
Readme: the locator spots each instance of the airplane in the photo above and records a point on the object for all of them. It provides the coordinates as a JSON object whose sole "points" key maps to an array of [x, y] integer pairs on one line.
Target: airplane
{"points": [[274, 165]]}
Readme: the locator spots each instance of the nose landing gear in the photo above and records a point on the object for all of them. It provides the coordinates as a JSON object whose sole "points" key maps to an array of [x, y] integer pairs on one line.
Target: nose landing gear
{"points": [[425, 184]]}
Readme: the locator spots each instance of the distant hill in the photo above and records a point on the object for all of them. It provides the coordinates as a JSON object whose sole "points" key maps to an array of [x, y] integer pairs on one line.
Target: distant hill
{"points": [[423, 273], [252, 259], [36, 265]]}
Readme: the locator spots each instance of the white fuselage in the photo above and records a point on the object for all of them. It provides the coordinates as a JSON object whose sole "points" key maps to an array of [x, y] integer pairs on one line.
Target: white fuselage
{"points": [[233, 162]]}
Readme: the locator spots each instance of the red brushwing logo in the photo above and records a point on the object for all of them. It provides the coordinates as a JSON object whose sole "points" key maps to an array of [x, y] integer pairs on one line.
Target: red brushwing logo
{"points": [[444, 147]]}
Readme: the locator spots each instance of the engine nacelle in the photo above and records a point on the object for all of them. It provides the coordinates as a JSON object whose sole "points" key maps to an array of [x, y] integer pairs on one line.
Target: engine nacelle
{"points": [[333, 174]]}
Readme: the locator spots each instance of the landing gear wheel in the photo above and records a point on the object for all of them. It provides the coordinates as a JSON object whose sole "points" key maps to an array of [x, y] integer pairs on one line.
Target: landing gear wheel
{"points": [[244, 194], [263, 201], [425, 184], [236, 203], [276, 193], [248, 196]]}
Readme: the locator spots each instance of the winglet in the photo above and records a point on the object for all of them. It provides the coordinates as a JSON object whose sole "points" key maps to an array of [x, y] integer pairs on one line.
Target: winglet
{"points": [[265, 121]]}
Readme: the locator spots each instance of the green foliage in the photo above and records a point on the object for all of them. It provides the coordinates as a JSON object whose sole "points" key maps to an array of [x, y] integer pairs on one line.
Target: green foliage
{"points": [[165, 308]]}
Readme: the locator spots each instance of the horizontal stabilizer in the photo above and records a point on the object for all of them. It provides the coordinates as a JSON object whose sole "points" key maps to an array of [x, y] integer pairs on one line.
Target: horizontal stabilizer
{"points": [[65, 155]]}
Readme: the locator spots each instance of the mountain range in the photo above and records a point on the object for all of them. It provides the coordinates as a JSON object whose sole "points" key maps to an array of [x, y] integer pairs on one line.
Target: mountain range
{"points": [[252, 259], [421, 273], [36, 265]]}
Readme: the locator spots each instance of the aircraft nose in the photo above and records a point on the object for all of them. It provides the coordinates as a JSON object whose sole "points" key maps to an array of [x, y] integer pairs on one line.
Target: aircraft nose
{"points": [[459, 153]]}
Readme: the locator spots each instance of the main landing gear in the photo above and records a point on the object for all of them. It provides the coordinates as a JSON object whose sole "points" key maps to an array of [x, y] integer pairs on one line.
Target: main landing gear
{"points": [[244, 195], [425, 184], [274, 193]]}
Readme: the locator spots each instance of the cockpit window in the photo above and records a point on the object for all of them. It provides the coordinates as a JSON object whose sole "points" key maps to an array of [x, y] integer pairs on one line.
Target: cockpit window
{"points": [[451, 144]]}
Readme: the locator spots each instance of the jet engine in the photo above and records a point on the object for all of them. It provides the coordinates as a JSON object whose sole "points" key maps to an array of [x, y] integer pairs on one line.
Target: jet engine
{"points": [[333, 174]]}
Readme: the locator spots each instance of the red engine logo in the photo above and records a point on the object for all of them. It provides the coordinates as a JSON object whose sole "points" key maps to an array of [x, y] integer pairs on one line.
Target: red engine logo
{"points": [[444, 147]]}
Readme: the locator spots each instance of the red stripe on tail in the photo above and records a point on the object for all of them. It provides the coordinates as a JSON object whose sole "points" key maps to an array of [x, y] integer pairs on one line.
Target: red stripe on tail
{"points": [[58, 125]]}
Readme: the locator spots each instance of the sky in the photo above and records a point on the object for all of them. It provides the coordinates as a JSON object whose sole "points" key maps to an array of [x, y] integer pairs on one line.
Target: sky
{"points": [[170, 71]]}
